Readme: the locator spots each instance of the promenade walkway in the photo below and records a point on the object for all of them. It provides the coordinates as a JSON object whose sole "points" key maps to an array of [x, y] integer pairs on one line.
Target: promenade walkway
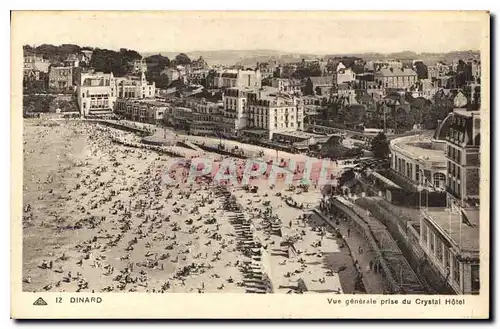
{"points": [[374, 282], [398, 273]]}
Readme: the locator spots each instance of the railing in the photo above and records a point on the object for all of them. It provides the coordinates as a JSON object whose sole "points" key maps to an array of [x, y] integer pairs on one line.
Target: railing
{"points": [[389, 254]]}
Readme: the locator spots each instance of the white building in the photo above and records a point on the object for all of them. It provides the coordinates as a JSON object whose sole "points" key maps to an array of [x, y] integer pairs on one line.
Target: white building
{"points": [[260, 113], [420, 160], [141, 110], [96, 93], [134, 87], [274, 112], [206, 116], [450, 236], [238, 79], [345, 75]]}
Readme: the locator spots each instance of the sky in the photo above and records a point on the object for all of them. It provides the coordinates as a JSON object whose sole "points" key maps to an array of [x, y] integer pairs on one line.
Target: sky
{"points": [[301, 32]]}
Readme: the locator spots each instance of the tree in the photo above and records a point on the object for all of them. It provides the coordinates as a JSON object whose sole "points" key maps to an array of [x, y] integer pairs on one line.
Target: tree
{"points": [[380, 146], [157, 62], [353, 115], [182, 59], [277, 73], [422, 70], [266, 82], [404, 121], [346, 176]]}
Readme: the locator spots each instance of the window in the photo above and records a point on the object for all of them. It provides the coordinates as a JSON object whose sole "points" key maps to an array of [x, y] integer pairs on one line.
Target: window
{"points": [[424, 234], [438, 178], [432, 242], [439, 250], [446, 257], [417, 173], [474, 277], [456, 270]]}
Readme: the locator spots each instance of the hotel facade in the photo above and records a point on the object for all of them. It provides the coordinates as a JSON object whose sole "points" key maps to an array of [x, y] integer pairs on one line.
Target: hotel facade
{"points": [[450, 236]]}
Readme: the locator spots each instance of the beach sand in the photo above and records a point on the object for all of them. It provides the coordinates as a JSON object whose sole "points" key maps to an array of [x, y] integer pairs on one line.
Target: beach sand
{"points": [[98, 217]]}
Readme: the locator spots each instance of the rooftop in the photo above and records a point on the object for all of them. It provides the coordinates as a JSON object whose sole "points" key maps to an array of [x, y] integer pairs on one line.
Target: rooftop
{"points": [[302, 134], [421, 146], [463, 236], [325, 80], [396, 72]]}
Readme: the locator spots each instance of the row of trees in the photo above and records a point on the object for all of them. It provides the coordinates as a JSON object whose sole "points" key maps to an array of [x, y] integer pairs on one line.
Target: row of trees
{"points": [[157, 64], [118, 62], [105, 60], [420, 111], [53, 53], [47, 103]]}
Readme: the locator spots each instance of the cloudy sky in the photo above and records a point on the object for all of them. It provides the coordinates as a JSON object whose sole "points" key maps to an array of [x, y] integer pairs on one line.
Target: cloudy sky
{"points": [[306, 32]]}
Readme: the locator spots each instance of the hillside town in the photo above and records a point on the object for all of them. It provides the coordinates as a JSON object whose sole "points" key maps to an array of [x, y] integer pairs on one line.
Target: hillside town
{"points": [[369, 181]]}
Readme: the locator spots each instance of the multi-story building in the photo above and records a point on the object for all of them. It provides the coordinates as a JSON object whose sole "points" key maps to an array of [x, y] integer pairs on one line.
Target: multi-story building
{"points": [[133, 87], [267, 69], [96, 93], [182, 118], [175, 73], [450, 236], [274, 112], [345, 75], [199, 64], [197, 77], [234, 111], [419, 160], [35, 71], [238, 79], [61, 78], [345, 91], [438, 70], [139, 66], [463, 144], [320, 85], [141, 110], [396, 78], [86, 56], [377, 65], [72, 60], [292, 86], [475, 66], [260, 113], [36, 63], [206, 116]]}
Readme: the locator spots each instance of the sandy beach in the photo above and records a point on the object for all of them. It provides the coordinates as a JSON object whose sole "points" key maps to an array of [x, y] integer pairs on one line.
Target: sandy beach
{"points": [[98, 217]]}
